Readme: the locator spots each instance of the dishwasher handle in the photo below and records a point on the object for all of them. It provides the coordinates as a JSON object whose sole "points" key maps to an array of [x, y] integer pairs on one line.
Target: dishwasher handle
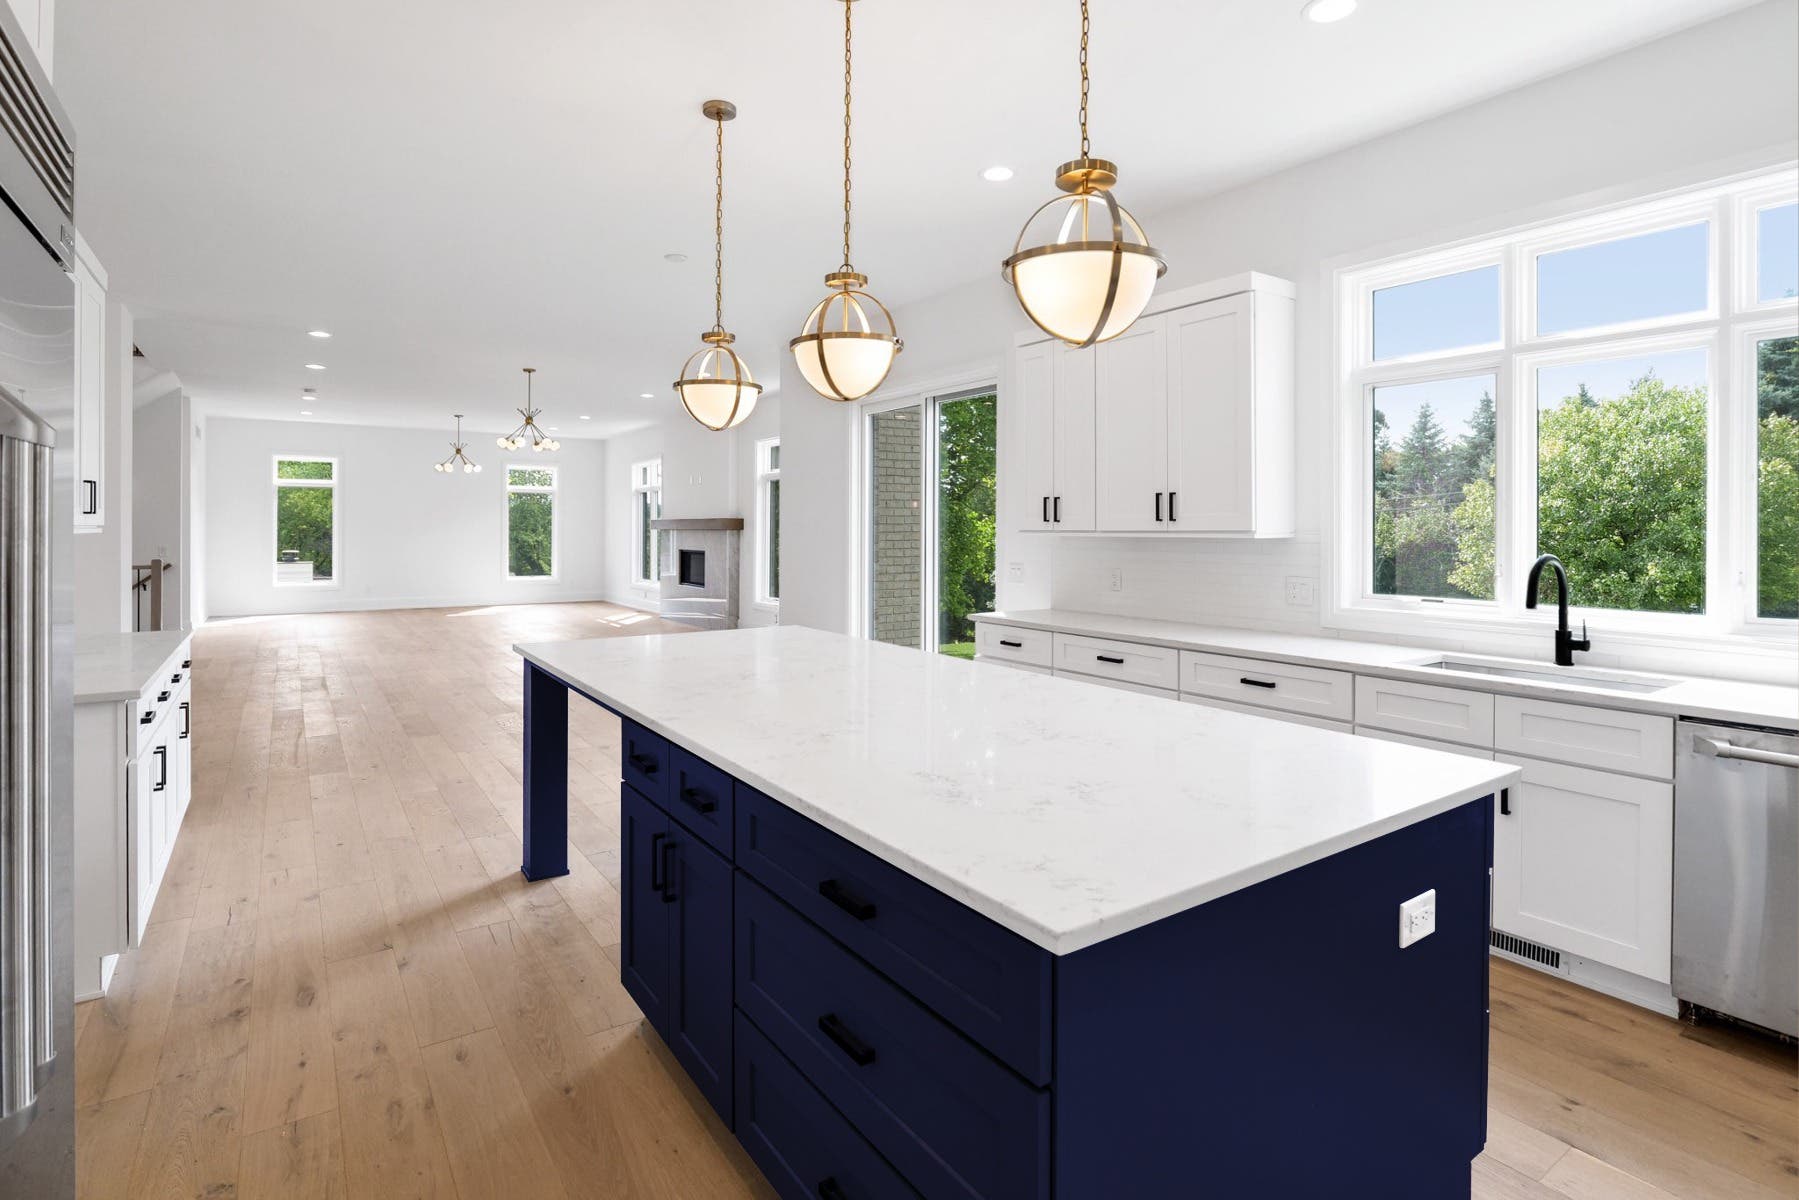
{"points": [[1718, 748]]}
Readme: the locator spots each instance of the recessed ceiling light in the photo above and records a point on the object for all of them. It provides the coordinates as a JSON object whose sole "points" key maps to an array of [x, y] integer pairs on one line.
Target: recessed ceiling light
{"points": [[305, 412], [587, 418], [1323, 12], [997, 174], [675, 257], [318, 333], [315, 366], [646, 395]]}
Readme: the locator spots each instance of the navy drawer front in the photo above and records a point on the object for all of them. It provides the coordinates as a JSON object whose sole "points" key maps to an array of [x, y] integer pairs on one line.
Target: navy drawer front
{"points": [[643, 762], [804, 1146], [699, 796], [954, 1121], [977, 975]]}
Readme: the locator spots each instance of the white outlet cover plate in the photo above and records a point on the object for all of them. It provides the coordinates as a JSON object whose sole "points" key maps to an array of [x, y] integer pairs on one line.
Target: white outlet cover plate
{"points": [[1417, 918]]}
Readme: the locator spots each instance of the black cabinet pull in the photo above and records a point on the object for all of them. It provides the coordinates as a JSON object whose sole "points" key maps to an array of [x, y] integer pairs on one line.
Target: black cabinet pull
{"points": [[149, 715], [847, 900], [1056, 508], [656, 840], [1046, 510], [93, 497], [162, 697], [644, 762], [829, 1189], [187, 720], [668, 872], [698, 799], [1171, 515], [175, 678], [1261, 683], [186, 663], [1158, 506], [860, 1052], [162, 768], [1505, 802], [1119, 662], [1014, 645]]}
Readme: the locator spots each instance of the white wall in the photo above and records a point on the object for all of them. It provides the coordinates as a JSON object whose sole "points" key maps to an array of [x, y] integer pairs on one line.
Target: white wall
{"points": [[620, 583], [1709, 101], [409, 536], [103, 557], [161, 471]]}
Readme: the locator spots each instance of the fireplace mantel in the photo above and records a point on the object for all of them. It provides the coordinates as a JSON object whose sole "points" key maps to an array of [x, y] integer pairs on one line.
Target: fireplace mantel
{"points": [[723, 524]]}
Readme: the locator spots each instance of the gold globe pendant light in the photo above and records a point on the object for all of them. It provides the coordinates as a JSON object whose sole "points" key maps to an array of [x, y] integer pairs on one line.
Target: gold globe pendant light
{"points": [[716, 387], [530, 433], [1082, 268], [844, 350], [459, 458]]}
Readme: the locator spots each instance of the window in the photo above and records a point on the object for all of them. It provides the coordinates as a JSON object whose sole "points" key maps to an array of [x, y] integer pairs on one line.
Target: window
{"points": [[305, 520], [1573, 389], [531, 522], [768, 520], [646, 506]]}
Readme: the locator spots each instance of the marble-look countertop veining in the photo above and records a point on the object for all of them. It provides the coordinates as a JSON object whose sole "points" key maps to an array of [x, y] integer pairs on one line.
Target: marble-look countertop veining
{"points": [[1065, 812], [1707, 699], [118, 666]]}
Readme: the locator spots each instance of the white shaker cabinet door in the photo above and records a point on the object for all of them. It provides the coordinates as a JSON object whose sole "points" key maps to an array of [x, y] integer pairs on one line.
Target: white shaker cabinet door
{"points": [[1034, 378], [1211, 417], [1131, 482], [1071, 502], [1584, 862]]}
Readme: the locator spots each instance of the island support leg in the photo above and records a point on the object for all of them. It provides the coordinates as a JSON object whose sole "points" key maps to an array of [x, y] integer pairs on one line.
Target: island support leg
{"points": [[546, 774]]}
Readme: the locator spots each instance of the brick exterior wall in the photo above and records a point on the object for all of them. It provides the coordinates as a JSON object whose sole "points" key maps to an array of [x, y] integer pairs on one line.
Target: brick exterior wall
{"points": [[898, 516]]}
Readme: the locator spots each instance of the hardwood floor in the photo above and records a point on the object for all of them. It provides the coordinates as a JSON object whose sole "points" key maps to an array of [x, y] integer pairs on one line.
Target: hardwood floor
{"points": [[348, 992]]}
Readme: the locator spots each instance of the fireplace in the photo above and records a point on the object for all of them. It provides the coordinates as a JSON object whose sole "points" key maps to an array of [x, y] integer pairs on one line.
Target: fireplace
{"points": [[700, 588]]}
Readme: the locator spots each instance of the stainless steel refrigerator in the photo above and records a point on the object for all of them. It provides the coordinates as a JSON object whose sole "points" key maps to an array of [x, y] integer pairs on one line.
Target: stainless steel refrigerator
{"points": [[37, 406]]}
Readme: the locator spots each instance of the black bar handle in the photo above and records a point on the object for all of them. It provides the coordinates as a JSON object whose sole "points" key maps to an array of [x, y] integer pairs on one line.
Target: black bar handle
{"points": [[1505, 802], [1119, 662], [830, 1189], [668, 872], [656, 840], [847, 900], [1158, 506], [186, 663], [162, 768], [187, 720], [1171, 515], [1046, 510], [93, 497], [1014, 645], [860, 1052], [1261, 683], [644, 762], [175, 678], [1056, 507], [698, 799], [149, 716], [162, 697]]}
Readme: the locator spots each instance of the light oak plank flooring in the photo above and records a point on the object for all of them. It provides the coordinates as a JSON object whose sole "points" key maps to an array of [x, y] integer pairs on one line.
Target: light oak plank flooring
{"points": [[348, 992]]}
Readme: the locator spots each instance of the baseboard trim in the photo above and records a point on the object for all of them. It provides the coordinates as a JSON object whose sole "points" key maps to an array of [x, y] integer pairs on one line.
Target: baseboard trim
{"points": [[388, 603]]}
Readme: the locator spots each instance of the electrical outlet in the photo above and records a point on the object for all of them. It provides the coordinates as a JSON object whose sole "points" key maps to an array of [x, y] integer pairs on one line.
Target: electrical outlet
{"points": [[1299, 592], [1417, 918], [1117, 581], [1015, 572]]}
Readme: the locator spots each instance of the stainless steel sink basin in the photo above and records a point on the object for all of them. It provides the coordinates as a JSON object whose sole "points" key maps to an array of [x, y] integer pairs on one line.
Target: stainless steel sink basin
{"points": [[1568, 677]]}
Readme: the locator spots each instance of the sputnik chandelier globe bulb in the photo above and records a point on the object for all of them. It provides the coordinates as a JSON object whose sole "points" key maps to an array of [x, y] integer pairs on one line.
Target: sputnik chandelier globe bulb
{"points": [[1082, 268], [716, 387], [459, 459], [847, 345], [528, 434]]}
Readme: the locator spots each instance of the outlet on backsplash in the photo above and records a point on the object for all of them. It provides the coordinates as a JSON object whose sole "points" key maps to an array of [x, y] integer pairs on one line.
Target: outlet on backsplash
{"points": [[1115, 580], [1299, 592]]}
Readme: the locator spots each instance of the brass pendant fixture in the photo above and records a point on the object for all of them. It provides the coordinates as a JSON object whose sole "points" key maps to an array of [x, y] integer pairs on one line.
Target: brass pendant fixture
{"points": [[844, 350], [716, 387], [459, 458], [1082, 268], [528, 434]]}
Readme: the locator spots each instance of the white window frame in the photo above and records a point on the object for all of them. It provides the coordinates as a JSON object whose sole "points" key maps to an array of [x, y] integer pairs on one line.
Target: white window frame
{"points": [[1726, 331], [337, 525], [766, 474], [549, 490], [646, 477]]}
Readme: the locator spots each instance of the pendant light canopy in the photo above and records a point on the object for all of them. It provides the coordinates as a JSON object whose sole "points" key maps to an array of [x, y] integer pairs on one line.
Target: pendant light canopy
{"points": [[528, 434], [459, 458], [847, 344], [715, 386], [1082, 267]]}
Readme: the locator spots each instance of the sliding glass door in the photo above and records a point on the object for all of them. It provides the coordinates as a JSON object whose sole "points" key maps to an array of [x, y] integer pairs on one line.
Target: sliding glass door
{"points": [[930, 466]]}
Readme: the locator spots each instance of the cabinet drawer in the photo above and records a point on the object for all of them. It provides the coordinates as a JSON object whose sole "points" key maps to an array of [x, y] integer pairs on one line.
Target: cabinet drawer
{"points": [[1639, 743], [1012, 644], [1152, 666], [952, 1120], [644, 761], [699, 796], [1406, 739], [1275, 714], [1425, 710], [1327, 694], [1123, 685], [980, 977], [803, 1145]]}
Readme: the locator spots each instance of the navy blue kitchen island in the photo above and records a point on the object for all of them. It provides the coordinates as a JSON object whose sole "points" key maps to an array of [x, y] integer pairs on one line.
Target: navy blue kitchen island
{"points": [[868, 1034]]}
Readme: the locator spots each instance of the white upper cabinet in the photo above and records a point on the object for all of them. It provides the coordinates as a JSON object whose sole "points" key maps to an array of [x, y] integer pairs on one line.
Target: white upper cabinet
{"points": [[90, 392], [1187, 419], [38, 19]]}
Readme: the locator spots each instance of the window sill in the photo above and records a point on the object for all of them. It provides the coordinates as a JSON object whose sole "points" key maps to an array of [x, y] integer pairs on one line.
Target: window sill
{"points": [[320, 584]]}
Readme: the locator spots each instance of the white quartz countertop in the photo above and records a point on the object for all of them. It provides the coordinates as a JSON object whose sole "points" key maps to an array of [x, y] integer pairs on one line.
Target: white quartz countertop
{"points": [[1065, 812], [118, 666], [1707, 699]]}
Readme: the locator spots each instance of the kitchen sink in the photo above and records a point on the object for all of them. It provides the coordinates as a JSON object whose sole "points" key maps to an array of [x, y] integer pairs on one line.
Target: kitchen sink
{"points": [[1569, 677]]}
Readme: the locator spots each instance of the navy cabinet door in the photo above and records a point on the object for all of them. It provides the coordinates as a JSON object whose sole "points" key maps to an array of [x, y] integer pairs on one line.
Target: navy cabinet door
{"points": [[700, 967], [645, 852]]}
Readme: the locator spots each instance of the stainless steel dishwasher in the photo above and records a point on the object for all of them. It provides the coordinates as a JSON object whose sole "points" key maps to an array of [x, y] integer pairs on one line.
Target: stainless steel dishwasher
{"points": [[1736, 873]]}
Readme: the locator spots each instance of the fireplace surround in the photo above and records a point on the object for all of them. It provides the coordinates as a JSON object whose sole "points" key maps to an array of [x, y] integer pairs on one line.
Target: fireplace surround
{"points": [[701, 587]]}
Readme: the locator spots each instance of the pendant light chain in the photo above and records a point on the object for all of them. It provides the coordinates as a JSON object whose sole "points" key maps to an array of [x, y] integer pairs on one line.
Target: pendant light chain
{"points": [[1086, 28], [718, 229], [846, 133]]}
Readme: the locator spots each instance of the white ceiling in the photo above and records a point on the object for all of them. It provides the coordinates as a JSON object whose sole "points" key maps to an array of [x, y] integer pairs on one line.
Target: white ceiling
{"points": [[457, 190]]}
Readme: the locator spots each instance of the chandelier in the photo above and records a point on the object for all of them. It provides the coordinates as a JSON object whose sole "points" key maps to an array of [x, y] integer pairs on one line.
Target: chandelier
{"points": [[458, 455], [528, 434]]}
